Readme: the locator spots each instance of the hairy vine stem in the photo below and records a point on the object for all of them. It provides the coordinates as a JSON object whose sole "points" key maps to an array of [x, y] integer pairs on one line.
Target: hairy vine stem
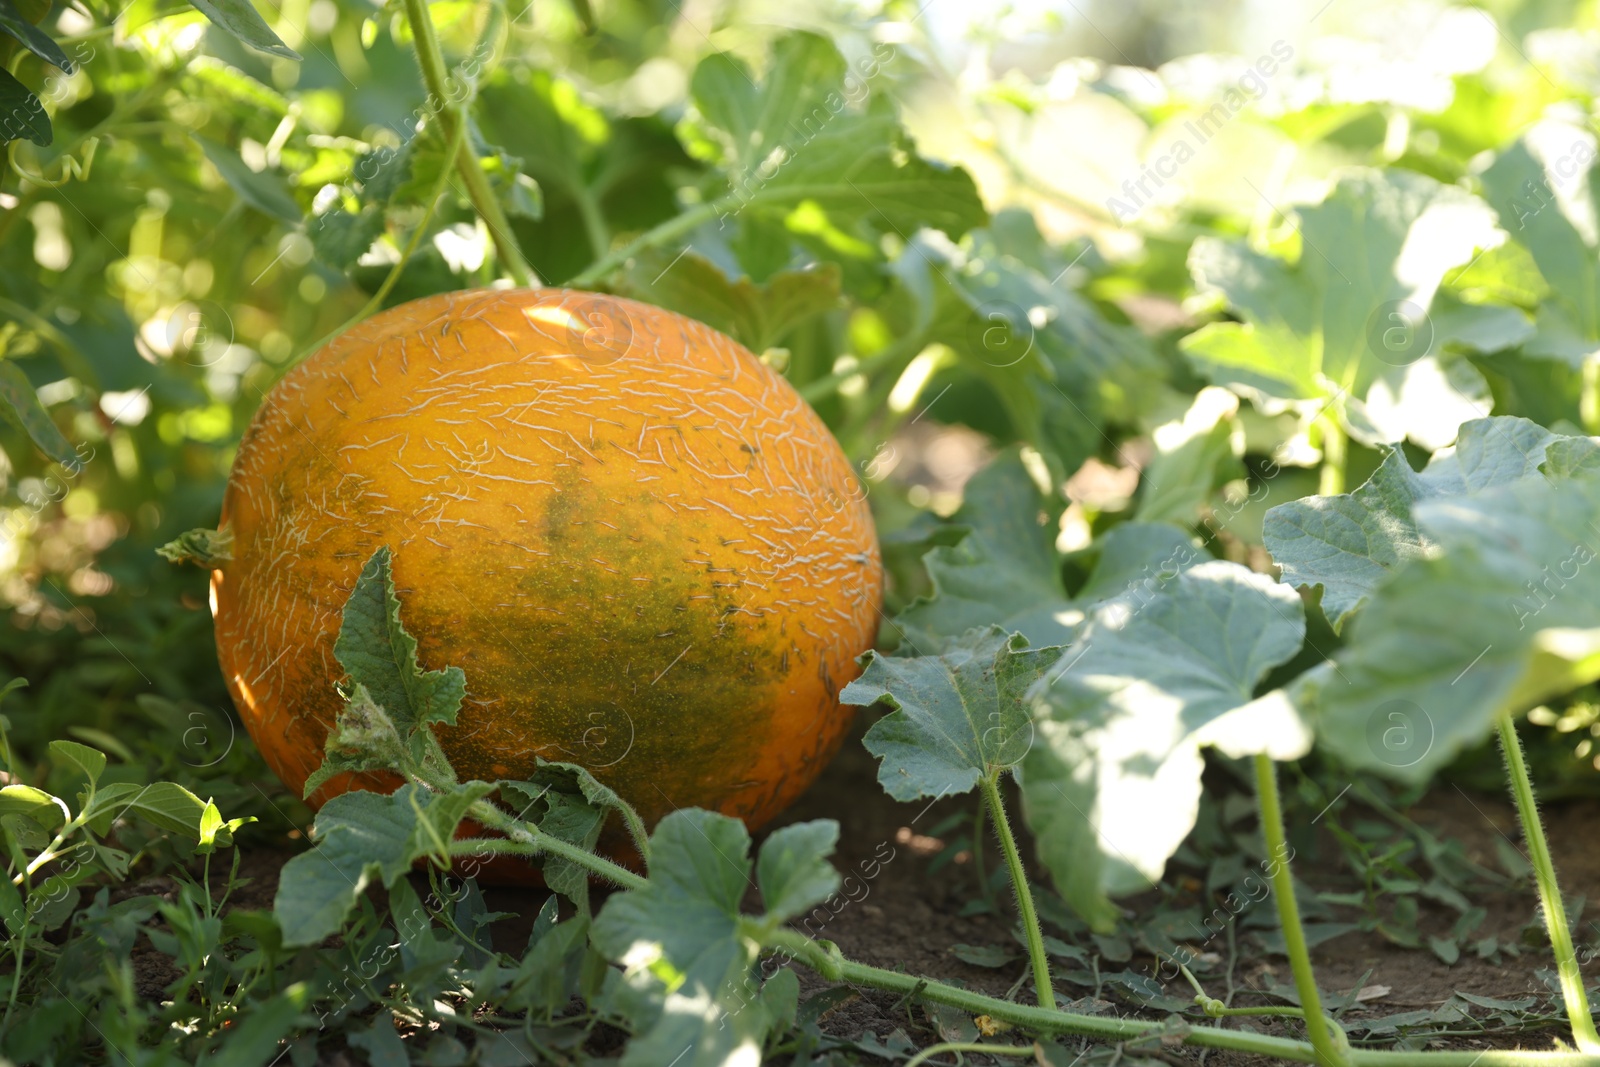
{"points": [[672, 228], [1335, 446], [1043, 987], [1330, 1053], [431, 59], [1544, 874]]}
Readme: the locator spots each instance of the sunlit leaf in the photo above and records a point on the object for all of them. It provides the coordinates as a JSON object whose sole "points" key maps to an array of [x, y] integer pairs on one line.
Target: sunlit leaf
{"points": [[1123, 715], [1350, 543], [240, 20], [689, 966]]}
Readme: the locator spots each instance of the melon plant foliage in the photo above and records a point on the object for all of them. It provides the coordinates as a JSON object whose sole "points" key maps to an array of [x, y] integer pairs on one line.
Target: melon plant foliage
{"points": [[1299, 462]]}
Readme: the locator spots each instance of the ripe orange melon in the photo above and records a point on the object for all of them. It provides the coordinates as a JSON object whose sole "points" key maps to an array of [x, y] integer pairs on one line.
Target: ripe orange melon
{"points": [[647, 553]]}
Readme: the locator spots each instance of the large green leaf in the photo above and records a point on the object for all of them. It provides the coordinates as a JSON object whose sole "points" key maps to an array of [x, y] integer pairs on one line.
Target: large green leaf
{"points": [[376, 652], [1502, 613], [1348, 544], [166, 805], [679, 938], [1060, 368], [1347, 324], [757, 314], [1006, 572], [758, 126], [806, 132], [21, 405], [35, 803], [1528, 193], [90, 761], [792, 871], [359, 836], [958, 717], [25, 115], [32, 37], [1111, 785], [240, 20]]}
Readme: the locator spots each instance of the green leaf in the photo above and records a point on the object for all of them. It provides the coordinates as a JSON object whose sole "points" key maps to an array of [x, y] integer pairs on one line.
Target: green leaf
{"points": [[568, 802], [1136, 556], [780, 996], [1189, 451], [1111, 785], [341, 238], [376, 652], [210, 825], [959, 716], [1347, 323], [1348, 544], [1272, 349], [264, 191], [1006, 572], [1061, 370], [804, 134], [359, 836], [203, 547], [793, 871], [36, 804], [545, 980], [91, 761], [1480, 328], [1529, 199], [166, 805], [384, 171], [1502, 614], [983, 955], [236, 85], [13, 913], [689, 968], [438, 819], [545, 119], [363, 738], [755, 126], [241, 21], [21, 405], [32, 37], [757, 315], [575, 777]]}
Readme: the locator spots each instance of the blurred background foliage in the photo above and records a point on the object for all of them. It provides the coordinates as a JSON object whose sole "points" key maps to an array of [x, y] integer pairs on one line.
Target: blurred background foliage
{"points": [[204, 214]]}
